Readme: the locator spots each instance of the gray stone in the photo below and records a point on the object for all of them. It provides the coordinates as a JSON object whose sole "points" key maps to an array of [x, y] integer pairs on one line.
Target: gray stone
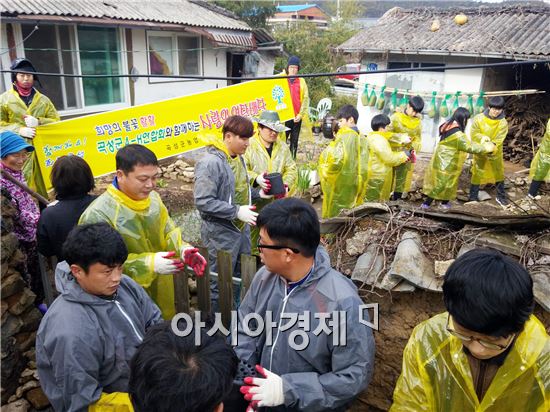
{"points": [[31, 319], [11, 326], [483, 196], [37, 398], [9, 244], [369, 266], [411, 264], [357, 244], [25, 387]]}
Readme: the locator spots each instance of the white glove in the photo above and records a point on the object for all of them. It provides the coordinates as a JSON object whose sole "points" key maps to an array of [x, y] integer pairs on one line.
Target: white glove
{"points": [[264, 195], [484, 139], [27, 132], [165, 264], [246, 214], [264, 392], [263, 182], [31, 121]]}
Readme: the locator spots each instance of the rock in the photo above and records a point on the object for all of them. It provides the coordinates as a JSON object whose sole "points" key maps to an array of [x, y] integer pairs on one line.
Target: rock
{"points": [[20, 405], [192, 286], [17, 259], [173, 175], [460, 192], [9, 244], [315, 191], [11, 285], [189, 175], [4, 307], [11, 326], [181, 163], [189, 169], [37, 398], [483, 196], [27, 375], [357, 244], [26, 387], [411, 264], [30, 354], [369, 266], [441, 266], [21, 301], [25, 340], [31, 319]]}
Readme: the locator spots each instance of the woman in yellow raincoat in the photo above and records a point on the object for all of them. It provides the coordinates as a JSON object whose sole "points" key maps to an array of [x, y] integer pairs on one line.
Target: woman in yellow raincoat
{"points": [[441, 177], [343, 166], [540, 166], [267, 154], [22, 109], [488, 353], [491, 125], [382, 160], [409, 123]]}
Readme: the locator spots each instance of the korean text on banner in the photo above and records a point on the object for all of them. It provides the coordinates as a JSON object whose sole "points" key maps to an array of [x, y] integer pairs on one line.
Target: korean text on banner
{"points": [[168, 127]]}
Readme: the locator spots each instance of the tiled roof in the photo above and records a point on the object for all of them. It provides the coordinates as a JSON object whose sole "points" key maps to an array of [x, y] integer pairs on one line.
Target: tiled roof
{"points": [[521, 31], [185, 12]]}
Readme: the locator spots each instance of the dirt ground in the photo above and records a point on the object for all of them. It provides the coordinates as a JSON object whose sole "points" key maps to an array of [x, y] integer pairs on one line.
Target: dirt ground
{"points": [[399, 311]]}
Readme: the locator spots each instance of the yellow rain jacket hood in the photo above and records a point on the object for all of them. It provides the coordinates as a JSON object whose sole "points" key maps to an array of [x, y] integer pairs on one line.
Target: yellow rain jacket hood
{"points": [[12, 112], [441, 176], [436, 374], [146, 229], [540, 167], [411, 126], [343, 172], [488, 168], [258, 161], [382, 160]]}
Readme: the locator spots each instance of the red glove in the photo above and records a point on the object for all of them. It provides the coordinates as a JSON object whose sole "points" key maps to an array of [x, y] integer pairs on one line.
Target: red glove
{"points": [[192, 257]]}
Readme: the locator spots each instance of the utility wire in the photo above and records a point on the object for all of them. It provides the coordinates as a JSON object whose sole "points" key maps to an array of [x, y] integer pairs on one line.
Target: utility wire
{"points": [[304, 75]]}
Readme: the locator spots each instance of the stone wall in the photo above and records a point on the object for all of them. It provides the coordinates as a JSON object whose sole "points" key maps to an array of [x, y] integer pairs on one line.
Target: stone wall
{"points": [[20, 389]]}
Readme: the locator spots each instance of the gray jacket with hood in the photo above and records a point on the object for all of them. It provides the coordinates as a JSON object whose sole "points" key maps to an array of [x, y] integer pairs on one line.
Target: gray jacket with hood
{"points": [[323, 376], [215, 200], [84, 342]]}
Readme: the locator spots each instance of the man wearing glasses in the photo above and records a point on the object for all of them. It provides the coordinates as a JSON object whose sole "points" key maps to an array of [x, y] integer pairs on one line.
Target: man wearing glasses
{"points": [[300, 365], [488, 352]]}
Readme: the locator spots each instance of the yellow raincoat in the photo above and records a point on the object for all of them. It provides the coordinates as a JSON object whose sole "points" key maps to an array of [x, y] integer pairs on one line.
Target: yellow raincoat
{"points": [[441, 177], [343, 172], [112, 402], [540, 166], [436, 374], [382, 160], [12, 112], [411, 126], [258, 161], [488, 168], [146, 229]]}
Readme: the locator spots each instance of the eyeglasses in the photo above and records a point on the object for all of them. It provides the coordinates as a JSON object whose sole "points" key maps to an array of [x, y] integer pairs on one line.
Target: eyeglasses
{"points": [[275, 247], [484, 343]]}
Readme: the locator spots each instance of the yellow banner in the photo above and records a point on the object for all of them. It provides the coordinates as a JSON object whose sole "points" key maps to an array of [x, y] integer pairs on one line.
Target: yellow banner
{"points": [[168, 127]]}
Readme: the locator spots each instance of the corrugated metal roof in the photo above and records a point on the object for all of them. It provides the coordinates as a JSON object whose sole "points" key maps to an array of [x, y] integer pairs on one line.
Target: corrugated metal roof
{"points": [[294, 8], [185, 12], [521, 31]]}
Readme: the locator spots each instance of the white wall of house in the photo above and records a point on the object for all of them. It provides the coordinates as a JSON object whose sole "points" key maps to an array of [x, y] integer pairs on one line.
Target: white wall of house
{"points": [[213, 63], [450, 81]]}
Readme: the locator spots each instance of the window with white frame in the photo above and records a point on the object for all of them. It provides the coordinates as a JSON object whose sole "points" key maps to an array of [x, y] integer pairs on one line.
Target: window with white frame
{"points": [[70, 49], [173, 53]]}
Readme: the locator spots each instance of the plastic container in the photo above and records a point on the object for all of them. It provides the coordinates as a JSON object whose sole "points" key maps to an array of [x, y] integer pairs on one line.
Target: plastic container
{"points": [[277, 185]]}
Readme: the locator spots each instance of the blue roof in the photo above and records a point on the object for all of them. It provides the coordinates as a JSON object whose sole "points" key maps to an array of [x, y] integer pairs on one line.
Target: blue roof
{"points": [[294, 8]]}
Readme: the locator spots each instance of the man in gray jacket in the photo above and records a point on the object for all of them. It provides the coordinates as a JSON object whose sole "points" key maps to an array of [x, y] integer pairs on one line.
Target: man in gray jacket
{"points": [[316, 352], [91, 331]]}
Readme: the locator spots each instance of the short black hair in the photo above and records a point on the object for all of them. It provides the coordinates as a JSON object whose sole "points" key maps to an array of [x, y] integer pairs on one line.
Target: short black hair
{"points": [[133, 155], [496, 102], [94, 243], [379, 122], [173, 373], [71, 176], [292, 222], [239, 125], [488, 292], [348, 111], [417, 103]]}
